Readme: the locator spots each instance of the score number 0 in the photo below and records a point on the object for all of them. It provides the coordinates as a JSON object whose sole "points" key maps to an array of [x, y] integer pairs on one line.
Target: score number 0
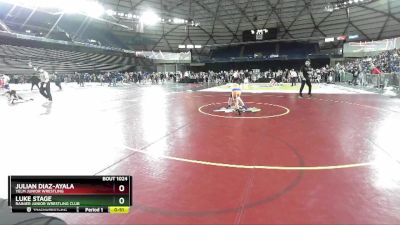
{"points": [[121, 200]]}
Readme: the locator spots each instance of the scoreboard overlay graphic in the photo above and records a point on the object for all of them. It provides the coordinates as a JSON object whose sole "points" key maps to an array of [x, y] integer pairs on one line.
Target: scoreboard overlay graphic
{"points": [[71, 194]]}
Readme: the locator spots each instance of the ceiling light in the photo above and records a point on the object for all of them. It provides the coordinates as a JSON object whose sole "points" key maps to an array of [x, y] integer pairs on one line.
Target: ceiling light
{"points": [[150, 18], [110, 12], [93, 9], [178, 21], [331, 39]]}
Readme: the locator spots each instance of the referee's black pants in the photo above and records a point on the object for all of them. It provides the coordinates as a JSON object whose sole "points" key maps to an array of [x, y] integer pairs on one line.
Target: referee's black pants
{"points": [[303, 82], [45, 90]]}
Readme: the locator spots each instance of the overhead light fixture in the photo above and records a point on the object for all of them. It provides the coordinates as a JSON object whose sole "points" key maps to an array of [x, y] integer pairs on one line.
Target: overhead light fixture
{"points": [[354, 36], [69, 7], [343, 4], [189, 46], [93, 9], [150, 18], [331, 39], [86, 7], [110, 12], [178, 21], [197, 46], [328, 8], [181, 46]]}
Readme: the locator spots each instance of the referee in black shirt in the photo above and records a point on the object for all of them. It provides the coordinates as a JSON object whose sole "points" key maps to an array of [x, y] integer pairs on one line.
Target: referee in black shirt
{"points": [[305, 79]]}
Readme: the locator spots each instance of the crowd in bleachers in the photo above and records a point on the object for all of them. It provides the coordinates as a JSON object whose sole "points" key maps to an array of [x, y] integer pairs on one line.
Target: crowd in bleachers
{"points": [[324, 74], [220, 77], [387, 62], [112, 78]]}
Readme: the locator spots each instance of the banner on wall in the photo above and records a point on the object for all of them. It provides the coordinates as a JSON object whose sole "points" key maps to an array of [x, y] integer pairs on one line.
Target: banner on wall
{"points": [[367, 48], [166, 57]]}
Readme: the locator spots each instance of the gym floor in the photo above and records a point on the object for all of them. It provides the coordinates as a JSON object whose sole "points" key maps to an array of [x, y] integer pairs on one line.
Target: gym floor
{"points": [[329, 159]]}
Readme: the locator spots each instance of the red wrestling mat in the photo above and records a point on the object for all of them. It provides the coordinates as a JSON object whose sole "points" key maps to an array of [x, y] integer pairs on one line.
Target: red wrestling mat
{"points": [[330, 159]]}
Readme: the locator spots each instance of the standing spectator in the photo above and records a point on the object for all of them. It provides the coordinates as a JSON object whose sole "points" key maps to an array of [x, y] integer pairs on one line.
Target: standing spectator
{"points": [[114, 79], [5, 80], [361, 77], [101, 79], [81, 79], [286, 75], [293, 77], [57, 80], [354, 72], [140, 77], [35, 82], [376, 70]]}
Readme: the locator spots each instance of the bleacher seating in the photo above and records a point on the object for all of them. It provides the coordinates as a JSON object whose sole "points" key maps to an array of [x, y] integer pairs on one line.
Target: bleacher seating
{"points": [[66, 31], [107, 38], [265, 49], [257, 51], [226, 52], [297, 50], [15, 59]]}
